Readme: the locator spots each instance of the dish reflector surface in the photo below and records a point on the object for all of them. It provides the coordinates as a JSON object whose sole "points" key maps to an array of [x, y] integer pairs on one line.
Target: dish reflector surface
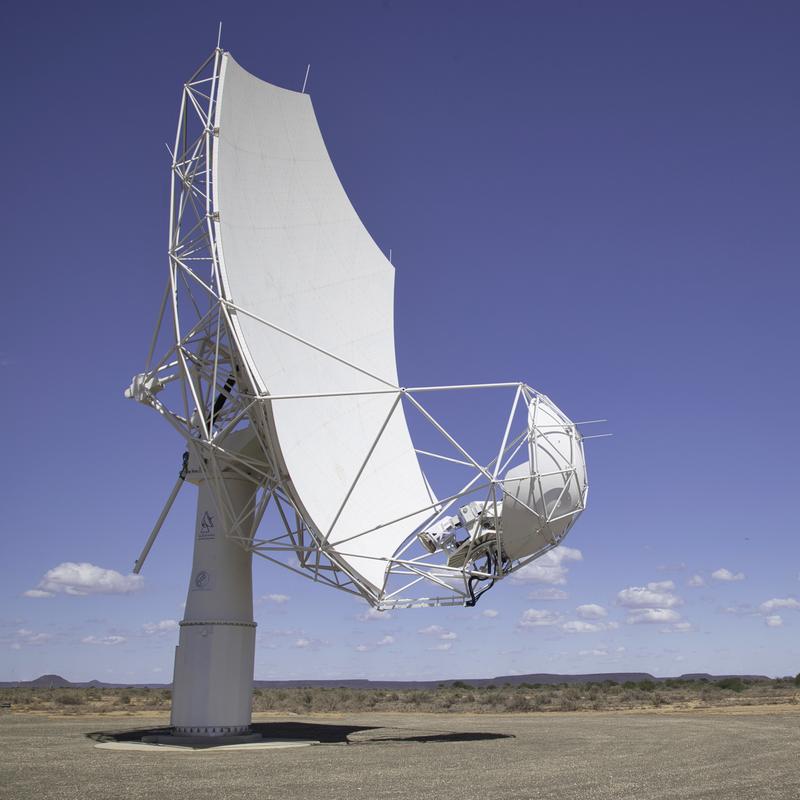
{"points": [[298, 264]]}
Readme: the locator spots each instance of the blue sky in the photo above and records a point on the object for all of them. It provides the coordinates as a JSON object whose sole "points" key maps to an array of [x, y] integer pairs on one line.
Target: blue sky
{"points": [[616, 184]]}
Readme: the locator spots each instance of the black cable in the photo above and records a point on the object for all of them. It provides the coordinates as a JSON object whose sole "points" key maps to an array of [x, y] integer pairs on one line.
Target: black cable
{"points": [[185, 466], [222, 398]]}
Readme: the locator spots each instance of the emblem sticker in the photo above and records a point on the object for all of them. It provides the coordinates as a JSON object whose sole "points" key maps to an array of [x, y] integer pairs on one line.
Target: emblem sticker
{"points": [[206, 527], [202, 581]]}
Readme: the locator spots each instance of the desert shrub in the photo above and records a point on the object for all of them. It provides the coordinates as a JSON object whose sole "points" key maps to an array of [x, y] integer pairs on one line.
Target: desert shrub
{"points": [[517, 702], [647, 686], [732, 684], [124, 698], [568, 703], [70, 698], [797, 679]]}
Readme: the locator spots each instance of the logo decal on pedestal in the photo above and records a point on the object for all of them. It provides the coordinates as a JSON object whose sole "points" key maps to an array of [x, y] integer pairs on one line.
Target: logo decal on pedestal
{"points": [[206, 529], [202, 580]]}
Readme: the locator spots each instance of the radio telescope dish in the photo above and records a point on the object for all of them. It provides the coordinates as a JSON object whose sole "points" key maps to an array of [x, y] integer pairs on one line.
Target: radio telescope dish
{"points": [[279, 371]]}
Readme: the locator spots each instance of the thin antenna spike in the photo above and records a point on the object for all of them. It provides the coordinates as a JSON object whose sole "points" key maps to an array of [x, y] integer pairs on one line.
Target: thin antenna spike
{"points": [[305, 80], [598, 436], [169, 150], [219, 35], [390, 255]]}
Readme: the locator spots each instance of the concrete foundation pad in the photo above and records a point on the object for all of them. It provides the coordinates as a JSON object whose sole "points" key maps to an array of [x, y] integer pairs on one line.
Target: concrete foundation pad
{"points": [[164, 745]]}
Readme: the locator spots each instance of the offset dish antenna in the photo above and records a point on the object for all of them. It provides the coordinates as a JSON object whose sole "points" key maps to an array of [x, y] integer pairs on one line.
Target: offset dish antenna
{"points": [[279, 371]]}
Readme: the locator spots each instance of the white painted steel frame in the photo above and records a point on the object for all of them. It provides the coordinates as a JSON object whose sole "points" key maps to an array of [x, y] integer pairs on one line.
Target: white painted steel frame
{"points": [[202, 385]]}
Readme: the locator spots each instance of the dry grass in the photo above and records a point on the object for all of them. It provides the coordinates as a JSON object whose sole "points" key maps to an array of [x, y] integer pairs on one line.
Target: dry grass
{"points": [[456, 697]]}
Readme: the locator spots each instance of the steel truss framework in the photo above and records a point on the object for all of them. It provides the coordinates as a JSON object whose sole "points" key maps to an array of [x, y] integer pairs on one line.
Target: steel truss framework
{"points": [[203, 387]]}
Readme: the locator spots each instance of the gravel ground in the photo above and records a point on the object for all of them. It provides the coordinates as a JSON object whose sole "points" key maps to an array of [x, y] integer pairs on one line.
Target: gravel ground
{"points": [[642, 756]]}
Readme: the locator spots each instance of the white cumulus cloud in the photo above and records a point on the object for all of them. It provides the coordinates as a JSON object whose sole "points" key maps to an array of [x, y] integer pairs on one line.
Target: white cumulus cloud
{"points": [[550, 568], [373, 615], [538, 618], [645, 616], [773, 621], [654, 595], [723, 574], [84, 578], [591, 611], [778, 602]]}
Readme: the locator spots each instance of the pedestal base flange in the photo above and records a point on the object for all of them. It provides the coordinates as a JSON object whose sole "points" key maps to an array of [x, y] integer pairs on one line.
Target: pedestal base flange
{"points": [[179, 739]]}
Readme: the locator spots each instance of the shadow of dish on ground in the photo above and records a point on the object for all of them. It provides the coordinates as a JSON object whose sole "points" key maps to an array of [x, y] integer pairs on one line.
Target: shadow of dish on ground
{"points": [[324, 734]]}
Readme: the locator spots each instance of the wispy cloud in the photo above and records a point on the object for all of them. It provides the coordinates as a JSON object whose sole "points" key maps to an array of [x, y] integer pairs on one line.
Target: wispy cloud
{"points": [[677, 567], [445, 637], [696, 581], [581, 626], [307, 643], [598, 651], [108, 641], [548, 593], [384, 642], [24, 637], [278, 599], [164, 626], [490, 613]]}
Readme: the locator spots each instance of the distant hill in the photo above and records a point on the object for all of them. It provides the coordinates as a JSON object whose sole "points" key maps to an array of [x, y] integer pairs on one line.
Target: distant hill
{"points": [[546, 678], [49, 681]]}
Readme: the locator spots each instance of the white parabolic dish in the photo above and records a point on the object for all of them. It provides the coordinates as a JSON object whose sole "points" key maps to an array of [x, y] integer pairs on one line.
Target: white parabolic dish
{"points": [[283, 372]]}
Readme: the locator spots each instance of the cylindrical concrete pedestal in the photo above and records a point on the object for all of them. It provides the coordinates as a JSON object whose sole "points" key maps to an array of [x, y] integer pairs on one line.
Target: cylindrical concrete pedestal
{"points": [[213, 678]]}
